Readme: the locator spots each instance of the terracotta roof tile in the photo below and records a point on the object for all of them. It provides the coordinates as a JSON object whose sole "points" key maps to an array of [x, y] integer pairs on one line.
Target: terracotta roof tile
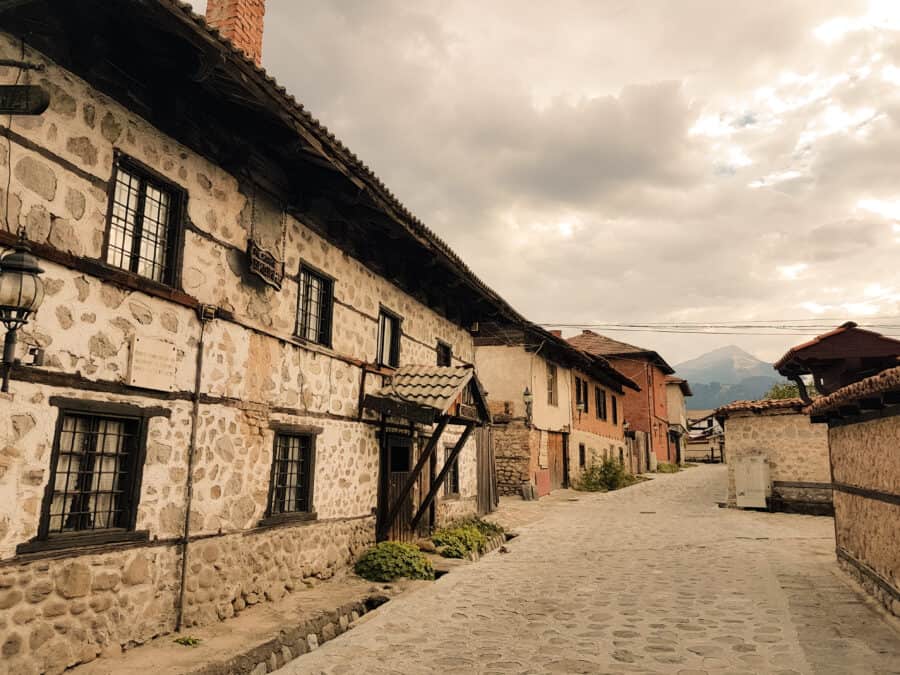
{"points": [[762, 406], [600, 345], [885, 381], [432, 386]]}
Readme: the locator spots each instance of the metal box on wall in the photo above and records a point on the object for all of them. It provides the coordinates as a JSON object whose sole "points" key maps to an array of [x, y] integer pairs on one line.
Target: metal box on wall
{"points": [[752, 483]]}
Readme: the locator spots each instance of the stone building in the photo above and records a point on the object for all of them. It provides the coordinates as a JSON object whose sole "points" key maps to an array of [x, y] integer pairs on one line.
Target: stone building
{"points": [[646, 408], [795, 450], [857, 376], [200, 420], [531, 377]]}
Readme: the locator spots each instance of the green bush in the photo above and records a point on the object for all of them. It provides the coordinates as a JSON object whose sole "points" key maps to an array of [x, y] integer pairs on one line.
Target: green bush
{"points": [[458, 541], [665, 467], [391, 560], [486, 527], [609, 474]]}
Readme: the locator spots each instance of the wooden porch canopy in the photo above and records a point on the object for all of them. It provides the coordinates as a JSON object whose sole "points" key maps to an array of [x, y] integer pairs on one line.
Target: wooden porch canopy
{"points": [[439, 395], [839, 358]]}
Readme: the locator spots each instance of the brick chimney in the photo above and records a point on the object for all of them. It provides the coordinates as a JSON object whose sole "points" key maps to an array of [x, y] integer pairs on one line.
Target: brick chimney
{"points": [[241, 22]]}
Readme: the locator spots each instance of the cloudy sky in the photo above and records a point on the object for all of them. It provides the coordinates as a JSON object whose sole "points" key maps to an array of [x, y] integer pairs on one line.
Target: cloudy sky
{"points": [[602, 161]]}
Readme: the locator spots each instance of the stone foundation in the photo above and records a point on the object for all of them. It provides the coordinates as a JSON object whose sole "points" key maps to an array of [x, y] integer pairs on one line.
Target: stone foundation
{"points": [[227, 574], [888, 596], [58, 612], [513, 442]]}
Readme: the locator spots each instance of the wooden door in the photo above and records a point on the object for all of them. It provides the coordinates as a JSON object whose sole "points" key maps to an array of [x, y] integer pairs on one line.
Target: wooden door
{"points": [[555, 459], [397, 463]]}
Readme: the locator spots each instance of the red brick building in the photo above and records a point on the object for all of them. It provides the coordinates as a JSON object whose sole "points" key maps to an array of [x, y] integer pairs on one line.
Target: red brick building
{"points": [[645, 410]]}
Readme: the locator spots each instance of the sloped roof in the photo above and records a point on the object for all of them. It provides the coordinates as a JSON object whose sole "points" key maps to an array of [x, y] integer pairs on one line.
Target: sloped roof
{"points": [[682, 384], [883, 382], [762, 407], [846, 341], [600, 345], [434, 388]]}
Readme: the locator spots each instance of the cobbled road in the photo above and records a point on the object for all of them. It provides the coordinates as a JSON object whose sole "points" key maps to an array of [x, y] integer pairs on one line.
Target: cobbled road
{"points": [[655, 578]]}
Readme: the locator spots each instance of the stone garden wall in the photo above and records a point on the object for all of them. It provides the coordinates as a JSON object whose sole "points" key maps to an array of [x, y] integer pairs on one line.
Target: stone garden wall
{"points": [[515, 454], [866, 459], [797, 451], [256, 373]]}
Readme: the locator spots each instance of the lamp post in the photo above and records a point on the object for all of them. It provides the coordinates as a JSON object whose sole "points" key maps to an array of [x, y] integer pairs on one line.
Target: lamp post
{"points": [[528, 398], [21, 293]]}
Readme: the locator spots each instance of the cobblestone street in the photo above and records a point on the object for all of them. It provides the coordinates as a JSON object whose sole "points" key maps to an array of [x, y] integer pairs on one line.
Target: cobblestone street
{"points": [[651, 579]]}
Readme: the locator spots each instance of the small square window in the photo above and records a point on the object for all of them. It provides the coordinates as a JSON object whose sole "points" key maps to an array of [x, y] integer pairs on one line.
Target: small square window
{"points": [[143, 231], [292, 470], [451, 482], [314, 307], [388, 339]]}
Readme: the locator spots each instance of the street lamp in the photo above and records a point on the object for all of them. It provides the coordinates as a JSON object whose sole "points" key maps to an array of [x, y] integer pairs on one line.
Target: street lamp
{"points": [[21, 293], [528, 399]]}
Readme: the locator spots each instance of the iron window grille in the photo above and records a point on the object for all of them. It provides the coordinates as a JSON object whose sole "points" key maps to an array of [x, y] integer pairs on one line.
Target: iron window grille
{"points": [[444, 354], [94, 474], [552, 392], [292, 470], [142, 233], [388, 339], [451, 482], [314, 307]]}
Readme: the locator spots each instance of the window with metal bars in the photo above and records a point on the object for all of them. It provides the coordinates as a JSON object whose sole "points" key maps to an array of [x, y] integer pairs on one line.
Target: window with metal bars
{"points": [[292, 471], [93, 486], [451, 482], [388, 339], [143, 211], [314, 307]]}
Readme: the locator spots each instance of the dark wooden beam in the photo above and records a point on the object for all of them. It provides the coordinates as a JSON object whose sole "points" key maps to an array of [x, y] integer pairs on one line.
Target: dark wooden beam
{"points": [[394, 509], [441, 477]]}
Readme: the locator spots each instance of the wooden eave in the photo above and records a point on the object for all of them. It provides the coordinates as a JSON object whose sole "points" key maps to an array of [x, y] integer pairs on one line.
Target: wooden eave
{"points": [[156, 59]]}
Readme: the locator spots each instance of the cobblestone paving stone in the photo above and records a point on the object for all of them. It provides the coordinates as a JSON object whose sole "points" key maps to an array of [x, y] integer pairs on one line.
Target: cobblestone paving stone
{"points": [[651, 579]]}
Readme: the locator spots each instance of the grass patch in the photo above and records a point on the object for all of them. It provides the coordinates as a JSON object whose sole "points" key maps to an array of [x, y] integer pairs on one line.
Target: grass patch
{"points": [[392, 560], [465, 536], [665, 467], [187, 641], [608, 475]]}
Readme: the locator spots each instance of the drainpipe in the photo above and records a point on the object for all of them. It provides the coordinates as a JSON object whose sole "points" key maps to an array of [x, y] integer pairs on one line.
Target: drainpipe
{"points": [[206, 313]]}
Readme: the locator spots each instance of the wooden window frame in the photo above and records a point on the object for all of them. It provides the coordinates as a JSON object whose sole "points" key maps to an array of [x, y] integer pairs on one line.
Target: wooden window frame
{"points": [[552, 385], [449, 493], [444, 348], [175, 226], [296, 430], [49, 541], [602, 411], [384, 315], [326, 317]]}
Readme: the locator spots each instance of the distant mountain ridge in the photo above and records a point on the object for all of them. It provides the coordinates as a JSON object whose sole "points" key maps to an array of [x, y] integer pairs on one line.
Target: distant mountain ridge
{"points": [[725, 375]]}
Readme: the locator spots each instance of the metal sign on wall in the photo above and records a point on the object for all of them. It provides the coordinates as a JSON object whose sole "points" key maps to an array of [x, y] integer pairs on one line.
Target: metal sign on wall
{"points": [[23, 99], [265, 265], [152, 364]]}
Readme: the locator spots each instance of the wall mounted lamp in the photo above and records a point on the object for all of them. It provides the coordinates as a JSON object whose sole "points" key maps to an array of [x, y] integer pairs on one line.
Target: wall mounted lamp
{"points": [[21, 294]]}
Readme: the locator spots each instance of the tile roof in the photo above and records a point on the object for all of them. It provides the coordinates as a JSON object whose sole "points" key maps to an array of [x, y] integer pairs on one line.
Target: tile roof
{"points": [[872, 337], [434, 387], [885, 381], [682, 384], [763, 406], [340, 152], [600, 345]]}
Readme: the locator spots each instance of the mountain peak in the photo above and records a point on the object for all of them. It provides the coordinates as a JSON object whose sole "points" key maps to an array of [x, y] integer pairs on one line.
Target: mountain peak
{"points": [[726, 365]]}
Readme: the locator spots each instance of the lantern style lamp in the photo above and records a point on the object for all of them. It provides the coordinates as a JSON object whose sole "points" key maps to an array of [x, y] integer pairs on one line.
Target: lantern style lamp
{"points": [[21, 293], [528, 399]]}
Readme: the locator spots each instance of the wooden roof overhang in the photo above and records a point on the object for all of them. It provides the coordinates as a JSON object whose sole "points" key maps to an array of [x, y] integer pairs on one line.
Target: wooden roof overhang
{"points": [[158, 59], [556, 349], [839, 358]]}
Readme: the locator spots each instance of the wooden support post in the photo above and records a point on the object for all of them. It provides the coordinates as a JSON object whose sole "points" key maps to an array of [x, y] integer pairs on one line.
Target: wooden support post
{"points": [[394, 509], [439, 481]]}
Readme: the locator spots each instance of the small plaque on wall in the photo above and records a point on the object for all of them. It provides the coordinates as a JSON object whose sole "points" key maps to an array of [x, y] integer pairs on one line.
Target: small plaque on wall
{"points": [[152, 364]]}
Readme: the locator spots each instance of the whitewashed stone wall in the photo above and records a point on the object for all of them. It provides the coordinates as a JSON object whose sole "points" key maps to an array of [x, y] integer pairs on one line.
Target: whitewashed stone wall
{"points": [[797, 451], [254, 373], [597, 448]]}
